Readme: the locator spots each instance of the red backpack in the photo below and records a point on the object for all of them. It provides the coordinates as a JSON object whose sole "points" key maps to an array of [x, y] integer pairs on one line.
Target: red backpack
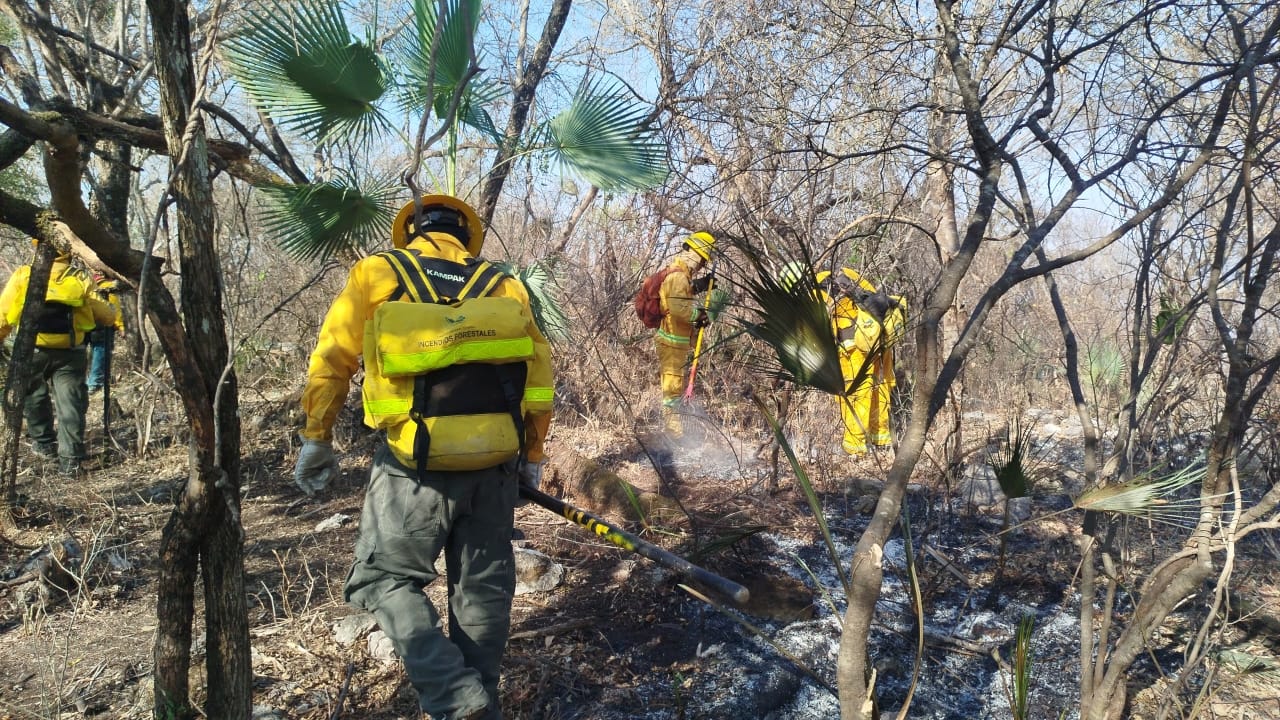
{"points": [[649, 300]]}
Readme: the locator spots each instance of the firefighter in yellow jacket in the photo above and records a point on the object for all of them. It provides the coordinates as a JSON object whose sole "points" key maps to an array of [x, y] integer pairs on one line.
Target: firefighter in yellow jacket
{"points": [[682, 315], [459, 439], [868, 323], [58, 364]]}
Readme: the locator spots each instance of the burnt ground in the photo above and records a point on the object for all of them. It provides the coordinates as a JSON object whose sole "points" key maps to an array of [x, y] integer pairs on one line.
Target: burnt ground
{"points": [[618, 637]]}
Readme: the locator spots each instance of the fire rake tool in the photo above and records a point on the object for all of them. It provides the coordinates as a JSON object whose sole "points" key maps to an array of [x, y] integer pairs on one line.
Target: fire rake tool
{"points": [[627, 541]]}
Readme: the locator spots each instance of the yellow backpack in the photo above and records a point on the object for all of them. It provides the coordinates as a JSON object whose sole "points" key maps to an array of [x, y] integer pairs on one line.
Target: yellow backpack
{"points": [[67, 291], [445, 365]]}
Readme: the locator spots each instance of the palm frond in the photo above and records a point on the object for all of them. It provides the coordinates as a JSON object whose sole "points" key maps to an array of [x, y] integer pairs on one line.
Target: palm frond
{"points": [[1244, 663], [795, 323], [300, 65], [717, 300], [1016, 464], [1147, 496], [1022, 658], [540, 279], [605, 136], [456, 27], [321, 219]]}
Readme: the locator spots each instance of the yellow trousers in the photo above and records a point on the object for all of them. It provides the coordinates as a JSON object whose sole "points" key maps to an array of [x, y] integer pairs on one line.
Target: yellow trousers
{"points": [[865, 411], [672, 358]]}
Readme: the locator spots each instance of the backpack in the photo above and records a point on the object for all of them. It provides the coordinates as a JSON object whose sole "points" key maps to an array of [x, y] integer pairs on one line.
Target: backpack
{"points": [[649, 299], [67, 291], [446, 365]]}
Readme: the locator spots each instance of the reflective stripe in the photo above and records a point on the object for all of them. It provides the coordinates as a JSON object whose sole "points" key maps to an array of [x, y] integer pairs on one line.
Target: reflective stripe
{"points": [[390, 406], [539, 394], [672, 338], [394, 364]]}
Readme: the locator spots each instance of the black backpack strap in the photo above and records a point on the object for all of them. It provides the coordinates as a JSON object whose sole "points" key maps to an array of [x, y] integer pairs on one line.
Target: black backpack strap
{"points": [[411, 279], [512, 378], [417, 412]]}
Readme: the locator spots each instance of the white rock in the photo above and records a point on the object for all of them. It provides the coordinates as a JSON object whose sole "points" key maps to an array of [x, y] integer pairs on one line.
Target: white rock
{"points": [[535, 572], [380, 647], [332, 522], [352, 627]]}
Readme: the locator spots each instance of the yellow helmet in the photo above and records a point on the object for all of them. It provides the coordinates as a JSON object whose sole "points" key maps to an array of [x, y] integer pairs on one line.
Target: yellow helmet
{"points": [[791, 273], [856, 277], [441, 213], [701, 243]]}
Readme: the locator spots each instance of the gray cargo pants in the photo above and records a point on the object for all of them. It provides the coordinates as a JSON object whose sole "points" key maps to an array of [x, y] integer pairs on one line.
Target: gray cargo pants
{"points": [[61, 370], [405, 526]]}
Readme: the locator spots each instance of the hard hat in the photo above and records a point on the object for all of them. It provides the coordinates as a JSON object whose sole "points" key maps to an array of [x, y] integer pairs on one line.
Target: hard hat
{"points": [[440, 213], [856, 277], [791, 273], [701, 243]]}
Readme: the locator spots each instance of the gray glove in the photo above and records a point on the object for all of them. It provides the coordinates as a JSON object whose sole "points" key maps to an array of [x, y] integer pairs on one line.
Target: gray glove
{"points": [[530, 476], [316, 467]]}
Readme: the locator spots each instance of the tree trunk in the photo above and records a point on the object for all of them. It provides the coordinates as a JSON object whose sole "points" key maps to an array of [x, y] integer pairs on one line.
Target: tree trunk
{"points": [[205, 524], [15, 379], [522, 99]]}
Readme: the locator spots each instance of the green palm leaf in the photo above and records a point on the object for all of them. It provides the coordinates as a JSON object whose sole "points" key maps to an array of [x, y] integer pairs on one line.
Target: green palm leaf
{"points": [[321, 219], [796, 324], [300, 65], [540, 280], [605, 136], [457, 30]]}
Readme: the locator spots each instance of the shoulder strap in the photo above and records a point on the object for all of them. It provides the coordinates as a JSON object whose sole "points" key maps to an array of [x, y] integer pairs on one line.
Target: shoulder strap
{"points": [[410, 279]]}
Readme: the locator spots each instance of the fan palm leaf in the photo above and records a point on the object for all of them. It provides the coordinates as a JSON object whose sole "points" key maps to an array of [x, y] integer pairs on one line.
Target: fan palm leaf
{"points": [[440, 77], [320, 219], [795, 323], [1017, 464], [605, 136], [300, 65], [540, 279], [1148, 496]]}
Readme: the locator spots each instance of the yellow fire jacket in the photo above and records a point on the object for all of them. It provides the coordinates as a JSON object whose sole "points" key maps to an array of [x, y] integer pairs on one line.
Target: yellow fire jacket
{"points": [[678, 304], [65, 284], [370, 283], [109, 292]]}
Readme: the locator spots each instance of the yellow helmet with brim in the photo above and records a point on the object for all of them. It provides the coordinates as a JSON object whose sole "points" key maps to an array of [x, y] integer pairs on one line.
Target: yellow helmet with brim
{"points": [[440, 213]]}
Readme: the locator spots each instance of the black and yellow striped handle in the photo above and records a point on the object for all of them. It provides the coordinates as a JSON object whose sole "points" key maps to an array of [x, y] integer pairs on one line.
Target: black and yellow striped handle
{"points": [[627, 541]]}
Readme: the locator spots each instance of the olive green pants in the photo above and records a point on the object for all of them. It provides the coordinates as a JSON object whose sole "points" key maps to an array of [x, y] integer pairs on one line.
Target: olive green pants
{"points": [[406, 524], [62, 371]]}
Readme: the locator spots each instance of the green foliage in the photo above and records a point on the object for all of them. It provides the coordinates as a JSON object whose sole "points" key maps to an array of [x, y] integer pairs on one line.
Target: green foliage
{"points": [[605, 136], [796, 324], [1245, 663], [541, 279], [442, 77], [300, 65], [1170, 322], [1015, 464], [1104, 365], [319, 219], [1022, 668], [717, 300]]}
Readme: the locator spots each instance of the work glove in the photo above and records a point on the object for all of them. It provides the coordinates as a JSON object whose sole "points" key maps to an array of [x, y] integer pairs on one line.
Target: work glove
{"points": [[701, 320], [316, 467], [530, 476], [701, 285]]}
